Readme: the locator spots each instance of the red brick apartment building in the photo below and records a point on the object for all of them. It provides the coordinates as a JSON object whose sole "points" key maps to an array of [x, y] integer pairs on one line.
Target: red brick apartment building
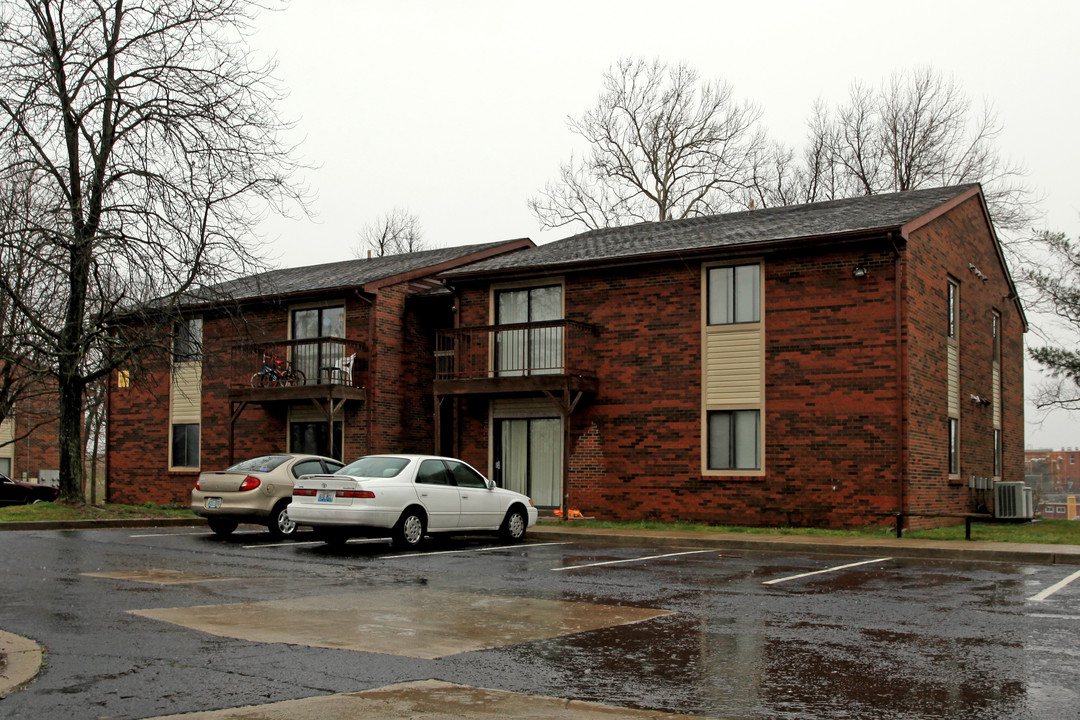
{"points": [[29, 449], [812, 365], [361, 331]]}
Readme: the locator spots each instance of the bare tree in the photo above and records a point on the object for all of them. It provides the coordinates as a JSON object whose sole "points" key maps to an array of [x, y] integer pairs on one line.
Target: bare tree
{"points": [[1056, 285], [393, 233], [150, 146], [917, 130], [662, 145]]}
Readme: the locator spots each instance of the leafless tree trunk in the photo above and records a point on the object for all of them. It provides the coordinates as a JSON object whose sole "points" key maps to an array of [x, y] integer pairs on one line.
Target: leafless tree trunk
{"points": [[150, 146], [662, 145], [394, 233]]}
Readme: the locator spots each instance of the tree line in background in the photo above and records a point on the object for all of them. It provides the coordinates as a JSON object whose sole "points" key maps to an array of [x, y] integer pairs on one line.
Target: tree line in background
{"points": [[662, 144]]}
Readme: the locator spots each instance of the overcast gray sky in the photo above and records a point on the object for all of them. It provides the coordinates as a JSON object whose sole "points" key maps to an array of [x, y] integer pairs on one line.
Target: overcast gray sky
{"points": [[457, 110]]}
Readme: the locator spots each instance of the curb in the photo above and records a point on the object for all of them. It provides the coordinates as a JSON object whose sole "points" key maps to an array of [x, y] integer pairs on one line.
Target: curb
{"points": [[100, 524], [21, 661]]}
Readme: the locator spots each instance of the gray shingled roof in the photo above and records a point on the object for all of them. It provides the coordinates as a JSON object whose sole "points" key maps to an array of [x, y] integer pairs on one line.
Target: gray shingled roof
{"points": [[824, 219], [331, 276]]}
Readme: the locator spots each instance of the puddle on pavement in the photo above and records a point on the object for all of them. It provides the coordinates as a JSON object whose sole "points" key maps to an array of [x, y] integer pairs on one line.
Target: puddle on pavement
{"points": [[418, 622], [157, 577], [431, 700]]}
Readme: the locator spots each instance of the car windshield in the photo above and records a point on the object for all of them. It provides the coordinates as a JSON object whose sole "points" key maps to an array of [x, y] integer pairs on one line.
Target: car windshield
{"points": [[266, 463], [374, 467]]}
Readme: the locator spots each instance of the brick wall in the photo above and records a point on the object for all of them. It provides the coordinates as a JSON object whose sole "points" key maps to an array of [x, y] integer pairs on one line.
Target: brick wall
{"points": [[832, 411], [935, 254]]}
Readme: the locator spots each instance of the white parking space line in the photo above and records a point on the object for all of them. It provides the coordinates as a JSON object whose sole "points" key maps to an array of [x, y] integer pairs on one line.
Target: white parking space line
{"points": [[476, 549], [1054, 588], [826, 570], [630, 560], [200, 532], [293, 543]]}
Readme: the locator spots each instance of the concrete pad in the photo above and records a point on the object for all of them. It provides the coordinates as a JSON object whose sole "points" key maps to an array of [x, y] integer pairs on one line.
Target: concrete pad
{"points": [[20, 661], [414, 622], [157, 577], [431, 700]]}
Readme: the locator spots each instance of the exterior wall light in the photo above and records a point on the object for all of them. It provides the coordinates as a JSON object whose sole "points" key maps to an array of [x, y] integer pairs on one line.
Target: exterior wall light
{"points": [[858, 271]]}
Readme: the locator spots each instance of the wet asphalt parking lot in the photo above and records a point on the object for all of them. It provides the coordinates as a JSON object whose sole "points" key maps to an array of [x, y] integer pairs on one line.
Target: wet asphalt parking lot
{"points": [[159, 622]]}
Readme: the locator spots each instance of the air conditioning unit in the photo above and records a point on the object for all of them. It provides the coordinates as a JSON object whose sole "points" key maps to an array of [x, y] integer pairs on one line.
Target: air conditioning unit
{"points": [[1013, 500]]}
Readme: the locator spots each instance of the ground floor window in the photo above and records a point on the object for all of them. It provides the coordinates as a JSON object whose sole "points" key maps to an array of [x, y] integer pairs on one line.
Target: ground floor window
{"points": [[954, 446], [5, 466], [997, 453], [185, 445], [529, 458], [313, 437], [734, 440]]}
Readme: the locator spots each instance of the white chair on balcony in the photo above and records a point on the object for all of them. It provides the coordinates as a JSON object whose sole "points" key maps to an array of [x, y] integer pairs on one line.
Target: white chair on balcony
{"points": [[341, 372]]}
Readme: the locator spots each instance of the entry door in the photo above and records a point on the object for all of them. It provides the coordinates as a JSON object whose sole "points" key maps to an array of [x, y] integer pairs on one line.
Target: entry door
{"points": [[530, 458]]}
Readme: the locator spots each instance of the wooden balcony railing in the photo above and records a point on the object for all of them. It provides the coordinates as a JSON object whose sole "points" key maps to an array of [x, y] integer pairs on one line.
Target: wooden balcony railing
{"points": [[552, 347], [321, 361]]}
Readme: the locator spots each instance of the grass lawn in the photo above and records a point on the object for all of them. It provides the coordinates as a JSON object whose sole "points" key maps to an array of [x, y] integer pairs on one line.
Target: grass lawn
{"points": [[1058, 532], [64, 511]]}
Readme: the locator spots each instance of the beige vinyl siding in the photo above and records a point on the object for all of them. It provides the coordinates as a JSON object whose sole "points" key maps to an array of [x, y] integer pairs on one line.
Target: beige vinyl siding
{"points": [[733, 368], [7, 434], [996, 380], [185, 396], [954, 379]]}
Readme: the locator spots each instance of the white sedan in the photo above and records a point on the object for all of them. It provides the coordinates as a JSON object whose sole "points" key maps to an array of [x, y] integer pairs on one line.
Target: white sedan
{"points": [[406, 497]]}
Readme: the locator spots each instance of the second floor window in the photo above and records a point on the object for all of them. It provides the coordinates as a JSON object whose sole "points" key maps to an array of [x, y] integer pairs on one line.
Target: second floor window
{"points": [[318, 322], [187, 340], [952, 299], [734, 294], [533, 350]]}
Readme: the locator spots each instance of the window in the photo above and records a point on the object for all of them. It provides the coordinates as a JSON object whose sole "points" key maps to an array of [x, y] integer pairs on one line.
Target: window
{"points": [[185, 445], [314, 437], [734, 295], [123, 378], [432, 472], [465, 476], [734, 440], [997, 453], [532, 351], [951, 301], [187, 341], [954, 446], [996, 335], [318, 322]]}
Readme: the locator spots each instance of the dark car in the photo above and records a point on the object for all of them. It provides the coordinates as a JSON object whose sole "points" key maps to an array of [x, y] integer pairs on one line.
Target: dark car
{"points": [[14, 492]]}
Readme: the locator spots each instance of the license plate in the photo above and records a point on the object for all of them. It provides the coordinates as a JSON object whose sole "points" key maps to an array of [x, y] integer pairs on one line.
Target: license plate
{"points": [[325, 496], [213, 503]]}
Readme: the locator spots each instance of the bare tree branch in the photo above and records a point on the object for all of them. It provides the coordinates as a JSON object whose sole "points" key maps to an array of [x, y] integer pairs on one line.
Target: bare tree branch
{"points": [[395, 233], [147, 139], [662, 145]]}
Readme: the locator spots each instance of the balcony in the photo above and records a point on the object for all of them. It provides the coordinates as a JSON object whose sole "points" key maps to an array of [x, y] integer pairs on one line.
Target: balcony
{"points": [[553, 355], [325, 368]]}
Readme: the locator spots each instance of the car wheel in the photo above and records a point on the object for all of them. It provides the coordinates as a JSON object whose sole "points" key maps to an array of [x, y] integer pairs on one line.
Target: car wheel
{"points": [[222, 526], [280, 525], [409, 530], [514, 526]]}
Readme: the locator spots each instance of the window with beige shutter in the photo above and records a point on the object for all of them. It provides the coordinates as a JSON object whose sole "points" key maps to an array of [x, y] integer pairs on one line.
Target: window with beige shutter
{"points": [[733, 367]]}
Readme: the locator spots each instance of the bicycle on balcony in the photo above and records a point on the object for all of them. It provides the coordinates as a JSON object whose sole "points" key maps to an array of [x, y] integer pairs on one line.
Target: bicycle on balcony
{"points": [[277, 373]]}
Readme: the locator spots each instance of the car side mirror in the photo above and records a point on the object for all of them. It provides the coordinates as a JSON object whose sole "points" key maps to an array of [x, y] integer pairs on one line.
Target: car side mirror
{"points": [[490, 483]]}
